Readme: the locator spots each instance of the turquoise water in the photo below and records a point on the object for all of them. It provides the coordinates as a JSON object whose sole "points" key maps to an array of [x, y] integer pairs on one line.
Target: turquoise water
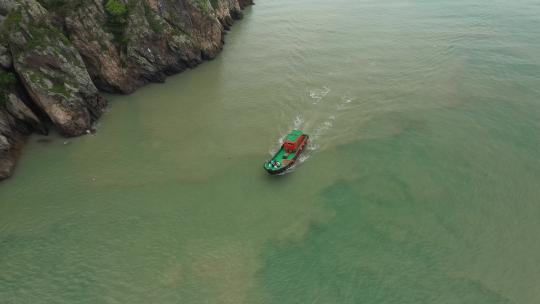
{"points": [[421, 184]]}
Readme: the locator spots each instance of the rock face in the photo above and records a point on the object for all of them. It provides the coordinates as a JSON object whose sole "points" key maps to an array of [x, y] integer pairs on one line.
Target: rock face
{"points": [[51, 70], [61, 52], [26, 118], [156, 38], [10, 142]]}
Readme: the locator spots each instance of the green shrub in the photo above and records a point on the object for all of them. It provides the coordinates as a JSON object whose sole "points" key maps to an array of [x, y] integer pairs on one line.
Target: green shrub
{"points": [[116, 8], [204, 6], [117, 20]]}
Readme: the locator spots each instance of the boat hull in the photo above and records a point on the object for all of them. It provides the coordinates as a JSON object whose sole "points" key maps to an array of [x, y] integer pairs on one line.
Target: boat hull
{"points": [[291, 162]]}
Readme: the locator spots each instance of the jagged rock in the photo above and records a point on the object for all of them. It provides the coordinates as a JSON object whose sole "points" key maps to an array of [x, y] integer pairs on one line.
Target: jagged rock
{"points": [[10, 141], [5, 58], [227, 11], [5, 132], [86, 29], [245, 3], [160, 38], [30, 122], [52, 71], [6, 6]]}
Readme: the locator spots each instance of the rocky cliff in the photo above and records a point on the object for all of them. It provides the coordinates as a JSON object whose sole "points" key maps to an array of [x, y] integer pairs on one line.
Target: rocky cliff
{"points": [[57, 55]]}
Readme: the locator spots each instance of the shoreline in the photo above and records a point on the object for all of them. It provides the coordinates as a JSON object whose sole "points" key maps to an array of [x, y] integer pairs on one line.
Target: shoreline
{"points": [[58, 81]]}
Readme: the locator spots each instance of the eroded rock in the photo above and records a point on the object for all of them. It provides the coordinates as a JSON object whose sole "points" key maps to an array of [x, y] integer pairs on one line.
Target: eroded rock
{"points": [[5, 58], [52, 71], [160, 38], [10, 141], [20, 111]]}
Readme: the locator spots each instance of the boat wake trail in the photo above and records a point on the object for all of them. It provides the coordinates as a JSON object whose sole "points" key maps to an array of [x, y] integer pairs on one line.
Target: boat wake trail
{"points": [[318, 120], [319, 94], [324, 121]]}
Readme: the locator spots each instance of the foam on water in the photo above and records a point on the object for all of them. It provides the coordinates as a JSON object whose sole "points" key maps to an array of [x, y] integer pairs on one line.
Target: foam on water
{"points": [[318, 94]]}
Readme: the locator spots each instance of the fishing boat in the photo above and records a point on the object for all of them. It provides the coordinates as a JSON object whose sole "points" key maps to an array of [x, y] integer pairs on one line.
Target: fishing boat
{"points": [[293, 145]]}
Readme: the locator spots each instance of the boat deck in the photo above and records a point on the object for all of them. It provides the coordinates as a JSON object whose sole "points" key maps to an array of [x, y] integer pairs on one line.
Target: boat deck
{"points": [[283, 157]]}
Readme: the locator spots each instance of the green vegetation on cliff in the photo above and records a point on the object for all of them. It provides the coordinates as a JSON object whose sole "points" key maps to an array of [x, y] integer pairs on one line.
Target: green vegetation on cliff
{"points": [[206, 6], [117, 13], [116, 8], [41, 32], [12, 20], [152, 18]]}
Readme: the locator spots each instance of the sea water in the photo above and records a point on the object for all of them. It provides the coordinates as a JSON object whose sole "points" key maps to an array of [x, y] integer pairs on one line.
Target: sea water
{"points": [[421, 183]]}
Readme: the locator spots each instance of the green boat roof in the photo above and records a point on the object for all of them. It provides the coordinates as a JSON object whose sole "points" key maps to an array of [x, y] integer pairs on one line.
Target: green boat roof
{"points": [[294, 135]]}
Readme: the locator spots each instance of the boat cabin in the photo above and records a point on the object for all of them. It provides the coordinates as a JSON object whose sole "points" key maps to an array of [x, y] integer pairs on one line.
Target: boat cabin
{"points": [[293, 141]]}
